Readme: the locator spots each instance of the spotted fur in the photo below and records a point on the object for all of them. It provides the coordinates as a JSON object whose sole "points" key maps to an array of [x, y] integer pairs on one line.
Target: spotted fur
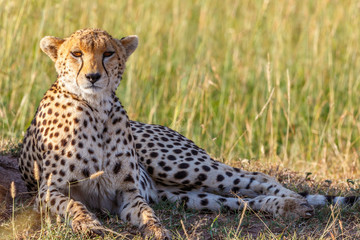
{"points": [[80, 129]]}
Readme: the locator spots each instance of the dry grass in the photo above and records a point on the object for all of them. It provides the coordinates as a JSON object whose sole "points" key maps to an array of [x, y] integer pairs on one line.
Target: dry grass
{"points": [[328, 223]]}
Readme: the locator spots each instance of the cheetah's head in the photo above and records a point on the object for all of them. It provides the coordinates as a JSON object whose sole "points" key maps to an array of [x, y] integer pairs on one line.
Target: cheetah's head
{"points": [[90, 62]]}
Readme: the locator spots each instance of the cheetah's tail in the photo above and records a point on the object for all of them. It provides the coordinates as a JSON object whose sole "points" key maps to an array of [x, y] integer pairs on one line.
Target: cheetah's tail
{"points": [[320, 200]]}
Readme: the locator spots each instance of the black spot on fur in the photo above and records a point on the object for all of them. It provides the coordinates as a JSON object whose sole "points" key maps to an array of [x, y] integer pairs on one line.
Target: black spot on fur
{"points": [[330, 199], [250, 182], [206, 168], [117, 168], [180, 175], [350, 200], [150, 170], [220, 178], [154, 154], [183, 165], [86, 172], [129, 178], [171, 157], [202, 177], [72, 167], [204, 202]]}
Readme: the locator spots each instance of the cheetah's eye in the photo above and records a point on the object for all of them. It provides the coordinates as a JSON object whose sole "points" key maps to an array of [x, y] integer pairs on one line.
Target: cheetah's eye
{"points": [[108, 54], [77, 54]]}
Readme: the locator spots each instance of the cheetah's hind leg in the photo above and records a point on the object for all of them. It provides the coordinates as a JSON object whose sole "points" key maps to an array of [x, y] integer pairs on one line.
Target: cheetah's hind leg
{"points": [[287, 207]]}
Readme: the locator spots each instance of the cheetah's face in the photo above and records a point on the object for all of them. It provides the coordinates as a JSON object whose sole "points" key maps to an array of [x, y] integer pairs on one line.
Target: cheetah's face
{"points": [[90, 61]]}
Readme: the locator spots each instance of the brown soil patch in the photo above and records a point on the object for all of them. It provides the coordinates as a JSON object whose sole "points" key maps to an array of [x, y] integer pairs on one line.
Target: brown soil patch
{"points": [[9, 172]]}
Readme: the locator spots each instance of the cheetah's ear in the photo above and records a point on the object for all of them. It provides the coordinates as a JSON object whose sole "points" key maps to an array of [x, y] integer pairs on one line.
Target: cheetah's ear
{"points": [[130, 43], [50, 46]]}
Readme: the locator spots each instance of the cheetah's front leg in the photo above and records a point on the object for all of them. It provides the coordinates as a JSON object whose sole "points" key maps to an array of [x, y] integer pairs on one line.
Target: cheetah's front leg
{"points": [[135, 210], [82, 220]]}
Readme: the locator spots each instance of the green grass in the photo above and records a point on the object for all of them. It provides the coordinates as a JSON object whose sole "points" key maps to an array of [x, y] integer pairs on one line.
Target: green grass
{"points": [[275, 82], [206, 69]]}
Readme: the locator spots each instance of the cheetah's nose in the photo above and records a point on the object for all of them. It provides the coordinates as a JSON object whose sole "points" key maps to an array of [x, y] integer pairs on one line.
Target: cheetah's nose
{"points": [[93, 77]]}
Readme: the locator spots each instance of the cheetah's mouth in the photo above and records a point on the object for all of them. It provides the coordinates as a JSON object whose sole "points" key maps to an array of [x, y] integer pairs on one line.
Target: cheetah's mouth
{"points": [[93, 87]]}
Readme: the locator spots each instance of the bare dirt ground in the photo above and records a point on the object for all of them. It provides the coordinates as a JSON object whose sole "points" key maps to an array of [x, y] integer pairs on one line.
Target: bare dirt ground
{"points": [[9, 172]]}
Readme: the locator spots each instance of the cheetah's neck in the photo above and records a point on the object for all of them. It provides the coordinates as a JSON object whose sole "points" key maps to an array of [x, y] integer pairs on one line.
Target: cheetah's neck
{"points": [[100, 103]]}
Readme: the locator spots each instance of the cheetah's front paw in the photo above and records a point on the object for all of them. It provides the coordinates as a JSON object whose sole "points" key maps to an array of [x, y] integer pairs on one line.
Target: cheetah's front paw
{"points": [[155, 231], [87, 225]]}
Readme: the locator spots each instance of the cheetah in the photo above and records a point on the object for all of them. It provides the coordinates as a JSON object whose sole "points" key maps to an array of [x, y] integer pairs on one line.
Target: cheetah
{"points": [[81, 130]]}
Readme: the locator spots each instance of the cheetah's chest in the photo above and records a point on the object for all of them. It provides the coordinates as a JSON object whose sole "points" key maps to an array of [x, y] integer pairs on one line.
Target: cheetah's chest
{"points": [[101, 147]]}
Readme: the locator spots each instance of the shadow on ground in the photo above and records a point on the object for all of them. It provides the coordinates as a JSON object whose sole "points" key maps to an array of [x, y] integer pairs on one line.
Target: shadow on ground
{"points": [[9, 172]]}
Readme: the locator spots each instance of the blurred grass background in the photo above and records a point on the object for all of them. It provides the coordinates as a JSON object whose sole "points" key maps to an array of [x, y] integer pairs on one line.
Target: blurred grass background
{"points": [[270, 81]]}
